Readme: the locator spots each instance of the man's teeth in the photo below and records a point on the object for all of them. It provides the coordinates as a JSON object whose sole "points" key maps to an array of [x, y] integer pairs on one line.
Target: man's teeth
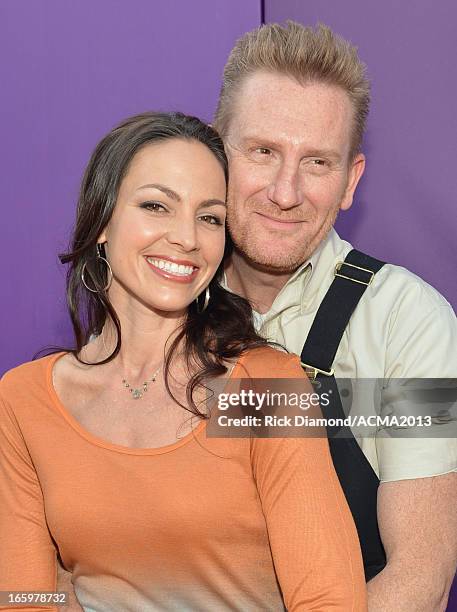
{"points": [[169, 266]]}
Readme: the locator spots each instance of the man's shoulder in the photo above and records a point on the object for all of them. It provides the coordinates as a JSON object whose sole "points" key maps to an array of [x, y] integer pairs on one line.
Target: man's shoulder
{"points": [[393, 285], [397, 283], [393, 289]]}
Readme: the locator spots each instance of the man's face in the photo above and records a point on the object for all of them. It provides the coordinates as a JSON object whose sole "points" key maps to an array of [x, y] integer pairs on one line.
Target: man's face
{"points": [[290, 172]]}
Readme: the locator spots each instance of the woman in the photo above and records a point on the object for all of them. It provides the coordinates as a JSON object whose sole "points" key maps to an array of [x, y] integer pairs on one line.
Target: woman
{"points": [[105, 460]]}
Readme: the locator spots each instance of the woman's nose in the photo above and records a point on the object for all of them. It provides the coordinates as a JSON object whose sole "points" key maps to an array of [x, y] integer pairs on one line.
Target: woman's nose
{"points": [[183, 233]]}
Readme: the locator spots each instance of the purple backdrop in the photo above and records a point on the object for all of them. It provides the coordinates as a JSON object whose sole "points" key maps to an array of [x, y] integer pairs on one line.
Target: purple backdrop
{"points": [[405, 206], [70, 71], [404, 209]]}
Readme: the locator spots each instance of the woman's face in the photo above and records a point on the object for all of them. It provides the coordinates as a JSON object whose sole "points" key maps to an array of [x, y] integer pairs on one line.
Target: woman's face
{"points": [[166, 237]]}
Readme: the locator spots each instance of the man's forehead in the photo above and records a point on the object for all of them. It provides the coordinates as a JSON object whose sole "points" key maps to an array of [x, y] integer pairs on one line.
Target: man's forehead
{"points": [[266, 80], [279, 108], [265, 86], [268, 137]]}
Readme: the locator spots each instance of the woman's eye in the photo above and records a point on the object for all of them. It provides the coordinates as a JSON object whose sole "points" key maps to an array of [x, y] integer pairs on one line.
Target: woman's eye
{"points": [[211, 220], [154, 206]]}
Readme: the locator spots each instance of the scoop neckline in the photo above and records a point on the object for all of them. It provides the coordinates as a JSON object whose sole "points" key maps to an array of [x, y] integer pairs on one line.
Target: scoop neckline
{"points": [[120, 448]]}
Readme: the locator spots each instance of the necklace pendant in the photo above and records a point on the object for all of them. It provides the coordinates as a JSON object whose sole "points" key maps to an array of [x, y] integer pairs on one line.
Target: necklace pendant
{"points": [[140, 391]]}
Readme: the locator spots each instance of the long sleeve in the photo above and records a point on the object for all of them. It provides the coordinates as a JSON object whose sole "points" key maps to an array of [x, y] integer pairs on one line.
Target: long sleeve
{"points": [[169, 528], [313, 539], [27, 553]]}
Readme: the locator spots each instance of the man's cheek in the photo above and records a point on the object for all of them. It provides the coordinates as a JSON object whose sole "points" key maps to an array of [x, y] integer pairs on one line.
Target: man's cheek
{"points": [[248, 179]]}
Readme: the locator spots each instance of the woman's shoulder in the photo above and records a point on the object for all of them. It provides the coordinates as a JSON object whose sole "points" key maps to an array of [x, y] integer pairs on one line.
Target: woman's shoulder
{"points": [[25, 378], [268, 362]]}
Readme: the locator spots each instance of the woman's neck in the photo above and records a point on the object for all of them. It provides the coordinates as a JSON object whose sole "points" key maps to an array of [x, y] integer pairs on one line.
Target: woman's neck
{"points": [[146, 335]]}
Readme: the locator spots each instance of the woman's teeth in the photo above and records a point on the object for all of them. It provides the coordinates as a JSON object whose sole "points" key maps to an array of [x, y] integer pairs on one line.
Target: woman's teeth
{"points": [[171, 267]]}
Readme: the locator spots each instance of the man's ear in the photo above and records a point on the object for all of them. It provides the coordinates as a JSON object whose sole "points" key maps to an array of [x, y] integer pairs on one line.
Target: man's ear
{"points": [[356, 169]]}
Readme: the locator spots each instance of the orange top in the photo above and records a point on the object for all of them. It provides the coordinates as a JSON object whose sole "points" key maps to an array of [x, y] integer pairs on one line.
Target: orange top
{"points": [[205, 524]]}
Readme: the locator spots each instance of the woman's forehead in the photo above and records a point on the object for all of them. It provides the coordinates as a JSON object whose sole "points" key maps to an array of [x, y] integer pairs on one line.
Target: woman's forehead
{"points": [[177, 164]]}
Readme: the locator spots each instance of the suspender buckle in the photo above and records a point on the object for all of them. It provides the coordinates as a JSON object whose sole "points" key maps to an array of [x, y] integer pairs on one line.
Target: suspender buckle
{"points": [[315, 371], [361, 282]]}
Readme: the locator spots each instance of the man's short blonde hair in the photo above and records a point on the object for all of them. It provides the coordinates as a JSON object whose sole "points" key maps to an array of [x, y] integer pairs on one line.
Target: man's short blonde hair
{"points": [[303, 53]]}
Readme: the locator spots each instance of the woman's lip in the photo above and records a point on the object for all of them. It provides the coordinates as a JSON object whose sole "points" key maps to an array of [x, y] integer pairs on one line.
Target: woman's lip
{"points": [[180, 262], [274, 222], [169, 275]]}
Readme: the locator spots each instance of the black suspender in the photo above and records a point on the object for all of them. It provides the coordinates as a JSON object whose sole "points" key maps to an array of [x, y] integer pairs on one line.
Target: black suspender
{"points": [[352, 277], [357, 478]]}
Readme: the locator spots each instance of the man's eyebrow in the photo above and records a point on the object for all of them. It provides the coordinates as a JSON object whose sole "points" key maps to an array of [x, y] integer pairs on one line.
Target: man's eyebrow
{"points": [[166, 190], [260, 141], [330, 153], [271, 144], [174, 196]]}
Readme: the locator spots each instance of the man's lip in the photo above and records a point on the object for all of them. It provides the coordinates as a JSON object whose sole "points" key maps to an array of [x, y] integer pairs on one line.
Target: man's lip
{"points": [[180, 262], [280, 221]]}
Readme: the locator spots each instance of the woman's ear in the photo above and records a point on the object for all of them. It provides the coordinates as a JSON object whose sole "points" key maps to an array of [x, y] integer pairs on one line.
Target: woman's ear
{"points": [[102, 238]]}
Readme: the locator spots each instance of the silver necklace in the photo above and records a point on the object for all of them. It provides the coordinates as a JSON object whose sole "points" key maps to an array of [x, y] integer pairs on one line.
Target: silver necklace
{"points": [[138, 392]]}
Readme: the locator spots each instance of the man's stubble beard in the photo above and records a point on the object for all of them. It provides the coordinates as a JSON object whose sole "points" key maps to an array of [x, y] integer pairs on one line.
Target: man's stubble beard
{"points": [[264, 257]]}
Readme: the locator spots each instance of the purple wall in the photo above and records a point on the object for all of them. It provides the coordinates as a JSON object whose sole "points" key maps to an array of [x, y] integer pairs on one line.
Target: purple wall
{"points": [[405, 207], [69, 71]]}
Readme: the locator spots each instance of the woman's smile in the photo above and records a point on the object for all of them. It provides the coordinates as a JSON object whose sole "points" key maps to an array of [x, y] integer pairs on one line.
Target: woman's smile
{"points": [[169, 214], [181, 271]]}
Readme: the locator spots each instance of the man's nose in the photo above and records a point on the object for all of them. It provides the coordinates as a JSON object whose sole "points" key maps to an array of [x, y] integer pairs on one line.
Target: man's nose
{"points": [[183, 233], [285, 189]]}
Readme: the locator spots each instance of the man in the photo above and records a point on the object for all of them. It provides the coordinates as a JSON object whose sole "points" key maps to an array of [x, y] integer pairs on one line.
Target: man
{"points": [[292, 113]]}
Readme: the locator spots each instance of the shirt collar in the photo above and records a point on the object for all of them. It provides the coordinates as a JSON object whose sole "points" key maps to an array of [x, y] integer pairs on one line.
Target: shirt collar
{"points": [[300, 290], [331, 251], [306, 281]]}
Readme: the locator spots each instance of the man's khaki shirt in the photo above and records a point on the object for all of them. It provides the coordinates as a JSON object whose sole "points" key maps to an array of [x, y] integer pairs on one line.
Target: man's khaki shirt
{"points": [[401, 329]]}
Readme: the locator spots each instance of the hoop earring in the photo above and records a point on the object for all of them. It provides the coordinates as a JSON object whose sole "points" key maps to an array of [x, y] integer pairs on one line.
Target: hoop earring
{"points": [[205, 303], [109, 275]]}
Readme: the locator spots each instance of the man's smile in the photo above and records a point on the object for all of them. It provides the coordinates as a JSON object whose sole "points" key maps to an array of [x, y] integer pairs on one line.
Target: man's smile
{"points": [[279, 223]]}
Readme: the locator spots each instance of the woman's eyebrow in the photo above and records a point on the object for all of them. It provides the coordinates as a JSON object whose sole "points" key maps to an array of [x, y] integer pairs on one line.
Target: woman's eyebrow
{"points": [[166, 190], [213, 202], [174, 196]]}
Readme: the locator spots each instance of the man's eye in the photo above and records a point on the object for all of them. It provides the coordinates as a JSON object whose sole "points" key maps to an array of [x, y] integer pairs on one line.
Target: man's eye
{"points": [[154, 206], [211, 220], [263, 151], [318, 162]]}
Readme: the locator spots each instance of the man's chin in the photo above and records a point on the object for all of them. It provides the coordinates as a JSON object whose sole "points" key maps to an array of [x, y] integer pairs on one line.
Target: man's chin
{"points": [[271, 263]]}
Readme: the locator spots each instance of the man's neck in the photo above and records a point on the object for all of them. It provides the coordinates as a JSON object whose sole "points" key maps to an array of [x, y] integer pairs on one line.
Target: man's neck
{"points": [[258, 285]]}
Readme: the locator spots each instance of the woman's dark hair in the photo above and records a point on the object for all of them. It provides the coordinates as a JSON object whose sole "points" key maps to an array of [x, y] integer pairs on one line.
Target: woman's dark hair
{"points": [[224, 329]]}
